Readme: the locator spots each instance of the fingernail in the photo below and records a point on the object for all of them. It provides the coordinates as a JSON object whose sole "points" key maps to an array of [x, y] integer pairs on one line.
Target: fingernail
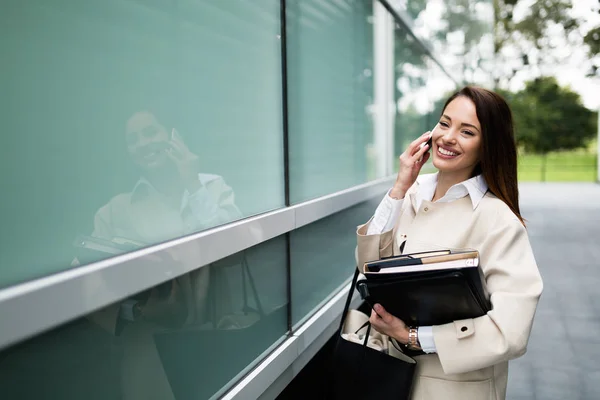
{"points": [[377, 307]]}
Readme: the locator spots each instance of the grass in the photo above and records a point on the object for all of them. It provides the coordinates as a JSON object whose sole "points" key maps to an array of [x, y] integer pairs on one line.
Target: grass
{"points": [[564, 166]]}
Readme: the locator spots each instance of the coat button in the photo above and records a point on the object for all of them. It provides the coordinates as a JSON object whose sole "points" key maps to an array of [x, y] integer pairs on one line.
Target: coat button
{"points": [[426, 209], [464, 329]]}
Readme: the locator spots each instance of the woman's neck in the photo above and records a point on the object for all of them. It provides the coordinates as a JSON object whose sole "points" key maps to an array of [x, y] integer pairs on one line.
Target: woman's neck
{"points": [[446, 180]]}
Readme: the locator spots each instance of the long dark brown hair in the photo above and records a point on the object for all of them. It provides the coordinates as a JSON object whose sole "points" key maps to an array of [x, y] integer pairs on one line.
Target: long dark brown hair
{"points": [[498, 152]]}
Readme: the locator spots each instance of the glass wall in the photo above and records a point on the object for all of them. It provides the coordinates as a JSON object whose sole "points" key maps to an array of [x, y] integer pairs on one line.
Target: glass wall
{"points": [[130, 123], [330, 91], [322, 257], [183, 339], [410, 94], [461, 34], [421, 89]]}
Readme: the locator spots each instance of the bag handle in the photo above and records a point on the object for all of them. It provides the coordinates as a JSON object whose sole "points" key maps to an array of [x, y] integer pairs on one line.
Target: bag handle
{"points": [[246, 273], [348, 299]]}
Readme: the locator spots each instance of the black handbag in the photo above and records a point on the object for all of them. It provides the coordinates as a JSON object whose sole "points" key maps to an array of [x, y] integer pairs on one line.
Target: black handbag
{"points": [[361, 372]]}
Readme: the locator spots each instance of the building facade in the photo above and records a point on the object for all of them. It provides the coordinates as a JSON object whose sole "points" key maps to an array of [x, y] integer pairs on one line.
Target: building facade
{"points": [[182, 180]]}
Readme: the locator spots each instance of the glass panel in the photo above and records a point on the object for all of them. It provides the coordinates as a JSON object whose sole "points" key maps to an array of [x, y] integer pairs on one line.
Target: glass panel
{"points": [[322, 256], [183, 339], [411, 98], [133, 122], [330, 88], [439, 88], [461, 34]]}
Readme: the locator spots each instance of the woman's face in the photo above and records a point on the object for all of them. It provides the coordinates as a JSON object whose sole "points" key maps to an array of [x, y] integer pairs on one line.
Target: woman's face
{"points": [[457, 138]]}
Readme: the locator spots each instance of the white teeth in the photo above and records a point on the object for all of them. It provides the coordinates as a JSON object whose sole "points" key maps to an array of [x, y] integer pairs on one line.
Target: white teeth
{"points": [[446, 152]]}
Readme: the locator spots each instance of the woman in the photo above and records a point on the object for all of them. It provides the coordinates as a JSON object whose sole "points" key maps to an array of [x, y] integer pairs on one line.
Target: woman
{"points": [[471, 202]]}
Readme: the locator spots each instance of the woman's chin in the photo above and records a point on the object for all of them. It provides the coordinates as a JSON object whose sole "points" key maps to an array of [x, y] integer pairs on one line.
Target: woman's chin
{"points": [[444, 165], [440, 165]]}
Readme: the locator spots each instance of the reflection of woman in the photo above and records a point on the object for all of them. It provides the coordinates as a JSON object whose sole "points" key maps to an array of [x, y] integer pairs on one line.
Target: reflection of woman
{"points": [[472, 202], [170, 200]]}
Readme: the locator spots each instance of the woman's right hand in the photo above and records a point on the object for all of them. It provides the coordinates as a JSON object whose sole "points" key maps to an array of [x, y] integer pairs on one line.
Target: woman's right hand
{"points": [[411, 162]]}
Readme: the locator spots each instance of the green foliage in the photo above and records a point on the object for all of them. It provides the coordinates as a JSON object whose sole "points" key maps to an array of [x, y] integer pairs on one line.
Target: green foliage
{"points": [[592, 39], [534, 27], [533, 30], [549, 117]]}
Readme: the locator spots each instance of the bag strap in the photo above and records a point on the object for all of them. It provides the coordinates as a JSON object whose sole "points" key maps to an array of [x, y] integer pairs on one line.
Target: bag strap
{"points": [[349, 299], [246, 273]]}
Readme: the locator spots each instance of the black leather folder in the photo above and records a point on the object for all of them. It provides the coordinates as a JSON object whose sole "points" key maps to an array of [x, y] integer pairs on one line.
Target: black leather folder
{"points": [[429, 297]]}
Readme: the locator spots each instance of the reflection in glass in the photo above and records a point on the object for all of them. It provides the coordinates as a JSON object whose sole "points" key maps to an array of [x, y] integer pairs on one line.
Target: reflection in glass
{"points": [[439, 88], [172, 197], [411, 95], [322, 257], [133, 123], [461, 34], [183, 339], [330, 89]]}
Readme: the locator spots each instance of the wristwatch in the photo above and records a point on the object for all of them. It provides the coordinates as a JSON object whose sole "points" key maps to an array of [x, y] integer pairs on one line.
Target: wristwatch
{"points": [[413, 339]]}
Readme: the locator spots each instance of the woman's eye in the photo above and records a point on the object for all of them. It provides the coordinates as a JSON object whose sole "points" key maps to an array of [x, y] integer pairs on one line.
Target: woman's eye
{"points": [[444, 124], [468, 133]]}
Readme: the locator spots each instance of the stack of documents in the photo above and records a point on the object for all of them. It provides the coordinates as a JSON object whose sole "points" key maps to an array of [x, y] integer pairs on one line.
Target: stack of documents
{"points": [[429, 288]]}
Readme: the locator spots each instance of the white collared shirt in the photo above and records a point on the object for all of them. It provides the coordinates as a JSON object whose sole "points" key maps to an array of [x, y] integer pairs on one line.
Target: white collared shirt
{"points": [[200, 202], [388, 211]]}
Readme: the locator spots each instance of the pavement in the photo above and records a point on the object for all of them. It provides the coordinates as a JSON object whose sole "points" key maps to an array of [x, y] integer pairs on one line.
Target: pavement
{"points": [[563, 356]]}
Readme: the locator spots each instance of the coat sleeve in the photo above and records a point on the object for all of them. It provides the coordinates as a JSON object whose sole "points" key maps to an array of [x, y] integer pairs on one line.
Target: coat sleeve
{"points": [[515, 285], [372, 247], [377, 246]]}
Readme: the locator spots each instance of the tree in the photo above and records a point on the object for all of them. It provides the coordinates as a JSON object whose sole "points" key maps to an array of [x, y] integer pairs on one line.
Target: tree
{"points": [[519, 44], [549, 117], [592, 40], [522, 44]]}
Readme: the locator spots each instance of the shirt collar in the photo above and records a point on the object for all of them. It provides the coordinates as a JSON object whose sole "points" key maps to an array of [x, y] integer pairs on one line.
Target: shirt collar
{"points": [[141, 189], [475, 188]]}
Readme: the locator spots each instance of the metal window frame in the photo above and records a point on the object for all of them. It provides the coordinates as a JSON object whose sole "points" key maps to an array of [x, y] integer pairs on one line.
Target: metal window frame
{"points": [[33, 307], [402, 17], [30, 308], [278, 369]]}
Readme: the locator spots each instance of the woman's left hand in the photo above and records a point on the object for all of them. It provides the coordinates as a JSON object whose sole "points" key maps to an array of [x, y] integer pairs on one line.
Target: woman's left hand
{"points": [[386, 323]]}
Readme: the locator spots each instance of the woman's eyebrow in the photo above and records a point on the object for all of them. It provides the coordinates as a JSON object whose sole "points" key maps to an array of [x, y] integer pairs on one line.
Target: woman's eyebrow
{"points": [[463, 124]]}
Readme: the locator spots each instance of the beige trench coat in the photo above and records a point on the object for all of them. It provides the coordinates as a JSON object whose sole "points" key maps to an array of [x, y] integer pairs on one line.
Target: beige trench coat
{"points": [[472, 355]]}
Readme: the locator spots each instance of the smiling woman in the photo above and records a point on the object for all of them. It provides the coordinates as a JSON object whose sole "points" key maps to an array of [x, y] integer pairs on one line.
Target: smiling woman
{"points": [[485, 118], [472, 202], [456, 140]]}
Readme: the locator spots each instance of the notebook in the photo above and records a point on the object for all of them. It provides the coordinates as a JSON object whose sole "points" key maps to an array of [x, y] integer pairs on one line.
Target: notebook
{"points": [[430, 288]]}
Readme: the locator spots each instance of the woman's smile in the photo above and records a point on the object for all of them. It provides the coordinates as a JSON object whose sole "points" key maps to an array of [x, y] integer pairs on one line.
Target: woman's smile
{"points": [[446, 154]]}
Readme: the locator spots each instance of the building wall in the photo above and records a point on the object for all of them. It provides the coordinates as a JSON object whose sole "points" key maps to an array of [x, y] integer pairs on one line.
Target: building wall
{"points": [[182, 180]]}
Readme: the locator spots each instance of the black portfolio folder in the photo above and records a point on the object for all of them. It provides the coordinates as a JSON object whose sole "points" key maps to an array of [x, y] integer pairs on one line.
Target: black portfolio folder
{"points": [[432, 294]]}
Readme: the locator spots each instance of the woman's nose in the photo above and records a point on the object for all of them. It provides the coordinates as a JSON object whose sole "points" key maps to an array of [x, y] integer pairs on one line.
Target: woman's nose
{"points": [[450, 136]]}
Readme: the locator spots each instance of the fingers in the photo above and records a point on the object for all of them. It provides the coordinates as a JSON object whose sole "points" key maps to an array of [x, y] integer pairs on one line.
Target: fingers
{"points": [[419, 154], [175, 150], [414, 146], [382, 314]]}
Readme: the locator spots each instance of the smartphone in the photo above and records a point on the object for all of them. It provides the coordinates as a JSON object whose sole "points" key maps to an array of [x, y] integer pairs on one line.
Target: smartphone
{"points": [[430, 141]]}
